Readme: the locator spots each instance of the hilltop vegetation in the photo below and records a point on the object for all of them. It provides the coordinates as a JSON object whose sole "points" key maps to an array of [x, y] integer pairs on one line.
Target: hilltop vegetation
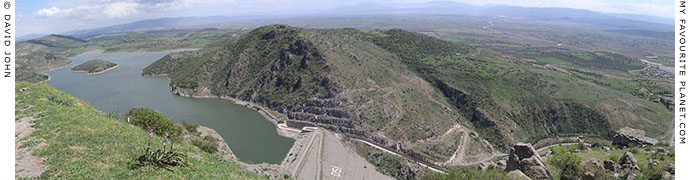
{"points": [[76, 141], [406, 90], [95, 66]]}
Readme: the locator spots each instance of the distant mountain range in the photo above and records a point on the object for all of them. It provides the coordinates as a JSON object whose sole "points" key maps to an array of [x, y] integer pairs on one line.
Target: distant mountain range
{"points": [[598, 20], [152, 25], [602, 20]]}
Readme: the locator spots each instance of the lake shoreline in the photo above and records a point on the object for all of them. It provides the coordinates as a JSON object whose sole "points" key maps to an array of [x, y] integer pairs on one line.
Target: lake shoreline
{"points": [[289, 162]]}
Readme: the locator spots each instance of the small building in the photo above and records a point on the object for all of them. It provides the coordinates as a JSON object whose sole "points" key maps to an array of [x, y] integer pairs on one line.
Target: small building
{"points": [[301, 125]]}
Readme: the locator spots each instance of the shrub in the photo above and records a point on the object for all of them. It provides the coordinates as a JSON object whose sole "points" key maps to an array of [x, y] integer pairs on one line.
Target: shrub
{"points": [[581, 146], [613, 157], [58, 100], [566, 161], [161, 159], [156, 123], [190, 127], [653, 172], [596, 145], [208, 144], [114, 115], [151, 120]]}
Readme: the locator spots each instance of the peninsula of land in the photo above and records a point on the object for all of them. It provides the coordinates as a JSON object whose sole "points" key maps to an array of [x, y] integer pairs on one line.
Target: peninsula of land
{"points": [[96, 66]]}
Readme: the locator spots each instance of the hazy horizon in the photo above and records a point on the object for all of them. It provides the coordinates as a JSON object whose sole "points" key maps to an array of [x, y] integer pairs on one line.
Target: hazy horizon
{"points": [[60, 16]]}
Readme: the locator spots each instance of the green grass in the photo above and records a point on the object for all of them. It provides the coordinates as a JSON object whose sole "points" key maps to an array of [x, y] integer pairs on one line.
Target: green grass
{"points": [[600, 155], [94, 66], [552, 60], [81, 142]]}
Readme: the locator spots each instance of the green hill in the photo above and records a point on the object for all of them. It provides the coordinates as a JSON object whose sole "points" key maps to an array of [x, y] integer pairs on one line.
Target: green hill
{"points": [[42, 54], [76, 141], [95, 66], [407, 90]]}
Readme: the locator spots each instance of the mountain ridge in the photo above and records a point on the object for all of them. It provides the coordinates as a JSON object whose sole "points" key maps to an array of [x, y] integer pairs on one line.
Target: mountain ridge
{"points": [[406, 90]]}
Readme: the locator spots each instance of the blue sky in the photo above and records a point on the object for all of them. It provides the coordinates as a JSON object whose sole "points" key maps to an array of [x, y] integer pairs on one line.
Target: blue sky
{"points": [[57, 16]]}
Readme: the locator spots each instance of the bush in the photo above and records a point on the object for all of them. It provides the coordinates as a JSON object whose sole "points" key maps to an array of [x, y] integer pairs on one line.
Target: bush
{"points": [[114, 115], [58, 100], [208, 144], [635, 150], [596, 145], [161, 159], [566, 161], [468, 173], [581, 146], [613, 157], [151, 120], [652, 172], [155, 122], [190, 127]]}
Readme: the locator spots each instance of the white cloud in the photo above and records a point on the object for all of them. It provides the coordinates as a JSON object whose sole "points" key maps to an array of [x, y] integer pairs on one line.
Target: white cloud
{"points": [[117, 9], [52, 11], [120, 9]]}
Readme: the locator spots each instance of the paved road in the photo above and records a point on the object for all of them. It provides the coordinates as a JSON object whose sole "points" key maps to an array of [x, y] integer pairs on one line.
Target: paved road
{"points": [[328, 158]]}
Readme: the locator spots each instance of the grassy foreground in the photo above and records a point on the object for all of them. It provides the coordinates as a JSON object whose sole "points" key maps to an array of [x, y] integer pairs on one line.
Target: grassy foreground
{"points": [[80, 142]]}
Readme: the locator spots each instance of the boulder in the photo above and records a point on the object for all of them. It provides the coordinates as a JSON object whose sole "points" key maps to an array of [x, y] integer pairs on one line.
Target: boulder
{"points": [[523, 157], [671, 168], [484, 166], [502, 162], [628, 136], [594, 163], [630, 176], [661, 151], [652, 162], [610, 165], [628, 162], [666, 175], [518, 175]]}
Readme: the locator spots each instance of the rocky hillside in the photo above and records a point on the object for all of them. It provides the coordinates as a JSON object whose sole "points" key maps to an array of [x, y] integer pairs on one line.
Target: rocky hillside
{"points": [[404, 90]]}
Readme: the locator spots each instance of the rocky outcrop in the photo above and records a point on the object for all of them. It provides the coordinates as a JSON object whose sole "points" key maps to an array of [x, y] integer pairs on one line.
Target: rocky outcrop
{"points": [[628, 162], [593, 163], [628, 136], [628, 165], [610, 165], [518, 175], [523, 157], [223, 147]]}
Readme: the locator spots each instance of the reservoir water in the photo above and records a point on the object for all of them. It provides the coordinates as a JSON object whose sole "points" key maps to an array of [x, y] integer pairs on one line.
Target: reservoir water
{"points": [[252, 138]]}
